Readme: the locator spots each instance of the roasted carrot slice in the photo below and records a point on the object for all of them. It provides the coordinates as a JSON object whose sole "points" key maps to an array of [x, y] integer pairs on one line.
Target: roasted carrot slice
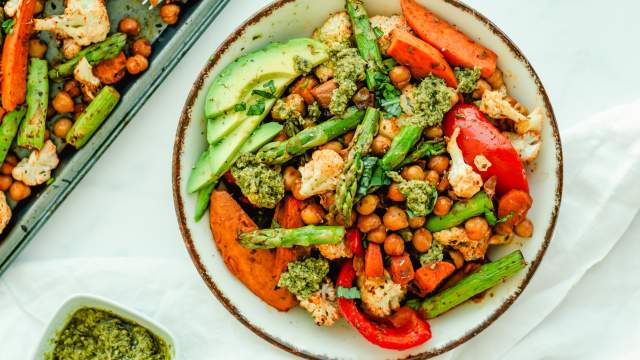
{"points": [[373, 266], [421, 58], [457, 48], [516, 202], [430, 276], [15, 55]]}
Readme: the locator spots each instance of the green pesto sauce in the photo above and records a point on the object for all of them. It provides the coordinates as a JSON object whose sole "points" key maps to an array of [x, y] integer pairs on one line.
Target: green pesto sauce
{"points": [[93, 334], [303, 278], [434, 254], [294, 122], [467, 79], [262, 185], [430, 101], [314, 111], [421, 196], [301, 65], [349, 69]]}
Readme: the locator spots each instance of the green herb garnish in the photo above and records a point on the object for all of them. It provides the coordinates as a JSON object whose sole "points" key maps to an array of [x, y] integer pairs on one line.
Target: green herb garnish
{"points": [[7, 26], [240, 107], [256, 109], [348, 293]]}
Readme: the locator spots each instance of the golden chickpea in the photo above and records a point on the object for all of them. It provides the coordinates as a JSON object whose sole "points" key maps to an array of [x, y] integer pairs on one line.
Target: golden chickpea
{"points": [[503, 229], [481, 87], [422, 239], [443, 205], [443, 184], [332, 145], [393, 245], [61, 127], [400, 76], [368, 204], [291, 175], [458, 259], [37, 48], [6, 168], [19, 191], [417, 222], [63, 103], [313, 214], [169, 13], [348, 137], [39, 7], [11, 159], [369, 222], [439, 163], [295, 190], [432, 177], [496, 80], [380, 145], [78, 109], [395, 219], [394, 193], [377, 235], [296, 103], [433, 132], [389, 127], [476, 228], [5, 182], [413, 172], [129, 26], [524, 228], [72, 88], [141, 47], [137, 64]]}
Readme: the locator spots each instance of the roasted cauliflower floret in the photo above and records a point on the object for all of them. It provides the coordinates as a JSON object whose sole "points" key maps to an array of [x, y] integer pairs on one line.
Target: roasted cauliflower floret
{"points": [[322, 304], [84, 22], [83, 73], [335, 251], [496, 104], [36, 169], [5, 212], [11, 7], [463, 179], [321, 173], [527, 145], [387, 24], [457, 238], [336, 31], [380, 296]]}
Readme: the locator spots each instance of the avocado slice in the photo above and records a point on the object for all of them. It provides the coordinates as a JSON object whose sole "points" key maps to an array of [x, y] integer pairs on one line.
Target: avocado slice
{"points": [[277, 60]]}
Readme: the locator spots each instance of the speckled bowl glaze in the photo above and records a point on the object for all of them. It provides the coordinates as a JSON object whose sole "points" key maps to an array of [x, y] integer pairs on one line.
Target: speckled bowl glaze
{"points": [[294, 331]]}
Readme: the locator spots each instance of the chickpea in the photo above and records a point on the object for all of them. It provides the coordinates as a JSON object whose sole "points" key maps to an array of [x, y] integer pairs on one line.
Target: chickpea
{"points": [[72, 88], [11, 159], [296, 103], [477, 228], [433, 132], [46, 134], [332, 145], [443, 184], [78, 109], [313, 214], [413, 172], [368, 204], [5, 182], [496, 80], [19, 191], [481, 87], [63, 103], [369, 222], [377, 235], [422, 240], [141, 47], [394, 245], [394, 193], [348, 137], [137, 64], [503, 229], [439, 163], [295, 190], [458, 259], [364, 98], [417, 222], [129, 26], [395, 219], [443, 205], [400, 76], [6, 168], [524, 228], [291, 175], [432, 177], [380, 145], [389, 127], [37, 48], [169, 13], [61, 127], [39, 7], [344, 153]]}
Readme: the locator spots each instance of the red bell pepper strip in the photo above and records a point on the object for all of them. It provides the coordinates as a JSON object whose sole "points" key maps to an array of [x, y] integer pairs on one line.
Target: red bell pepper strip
{"points": [[15, 54], [396, 335], [354, 242], [479, 137]]}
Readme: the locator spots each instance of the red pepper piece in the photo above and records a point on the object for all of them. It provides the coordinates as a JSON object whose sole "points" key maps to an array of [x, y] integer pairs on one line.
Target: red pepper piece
{"points": [[354, 242], [479, 137], [405, 331]]}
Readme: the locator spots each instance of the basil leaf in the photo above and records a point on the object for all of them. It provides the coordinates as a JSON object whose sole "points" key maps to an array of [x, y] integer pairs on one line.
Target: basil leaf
{"points": [[256, 109], [378, 32], [264, 94], [240, 107], [7, 26], [271, 86]]}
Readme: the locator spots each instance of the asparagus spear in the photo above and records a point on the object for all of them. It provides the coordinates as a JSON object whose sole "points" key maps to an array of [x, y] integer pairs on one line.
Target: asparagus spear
{"points": [[31, 133], [93, 116], [286, 238], [462, 210], [366, 40], [8, 130], [486, 277], [426, 149], [400, 147], [348, 183], [96, 53], [281, 152]]}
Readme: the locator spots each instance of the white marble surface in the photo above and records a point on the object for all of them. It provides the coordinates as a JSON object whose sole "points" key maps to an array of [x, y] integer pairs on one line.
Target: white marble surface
{"points": [[584, 51]]}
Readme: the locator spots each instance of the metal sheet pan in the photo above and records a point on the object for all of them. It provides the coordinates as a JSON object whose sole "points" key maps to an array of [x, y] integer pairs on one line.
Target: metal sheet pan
{"points": [[170, 44]]}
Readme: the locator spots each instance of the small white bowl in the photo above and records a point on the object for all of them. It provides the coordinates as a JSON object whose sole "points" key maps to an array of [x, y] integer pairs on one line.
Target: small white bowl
{"points": [[78, 302]]}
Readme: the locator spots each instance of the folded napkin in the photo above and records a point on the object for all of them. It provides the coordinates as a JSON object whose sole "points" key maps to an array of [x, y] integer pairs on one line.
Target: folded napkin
{"points": [[601, 199]]}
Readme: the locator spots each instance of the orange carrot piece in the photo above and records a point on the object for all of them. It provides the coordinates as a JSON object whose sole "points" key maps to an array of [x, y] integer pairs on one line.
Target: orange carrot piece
{"points": [[421, 58], [373, 266], [457, 48], [401, 269], [430, 276], [516, 202], [15, 55]]}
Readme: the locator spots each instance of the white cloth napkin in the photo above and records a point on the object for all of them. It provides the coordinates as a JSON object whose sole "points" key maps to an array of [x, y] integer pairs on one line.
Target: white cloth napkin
{"points": [[601, 199]]}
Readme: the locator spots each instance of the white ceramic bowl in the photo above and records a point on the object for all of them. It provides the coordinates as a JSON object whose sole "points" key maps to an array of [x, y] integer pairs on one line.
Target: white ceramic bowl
{"points": [[294, 331], [77, 302]]}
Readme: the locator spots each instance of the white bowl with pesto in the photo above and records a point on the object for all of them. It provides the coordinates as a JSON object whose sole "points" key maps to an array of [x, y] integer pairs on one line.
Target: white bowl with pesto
{"points": [[77, 302]]}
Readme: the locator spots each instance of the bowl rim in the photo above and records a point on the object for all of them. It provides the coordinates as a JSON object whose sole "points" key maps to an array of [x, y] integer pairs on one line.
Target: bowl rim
{"points": [[185, 120]]}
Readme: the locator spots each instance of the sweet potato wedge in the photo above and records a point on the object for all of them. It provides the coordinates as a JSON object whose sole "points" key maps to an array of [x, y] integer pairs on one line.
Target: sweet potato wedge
{"points": [[287, 215], [254, 268], [430, 276]]}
